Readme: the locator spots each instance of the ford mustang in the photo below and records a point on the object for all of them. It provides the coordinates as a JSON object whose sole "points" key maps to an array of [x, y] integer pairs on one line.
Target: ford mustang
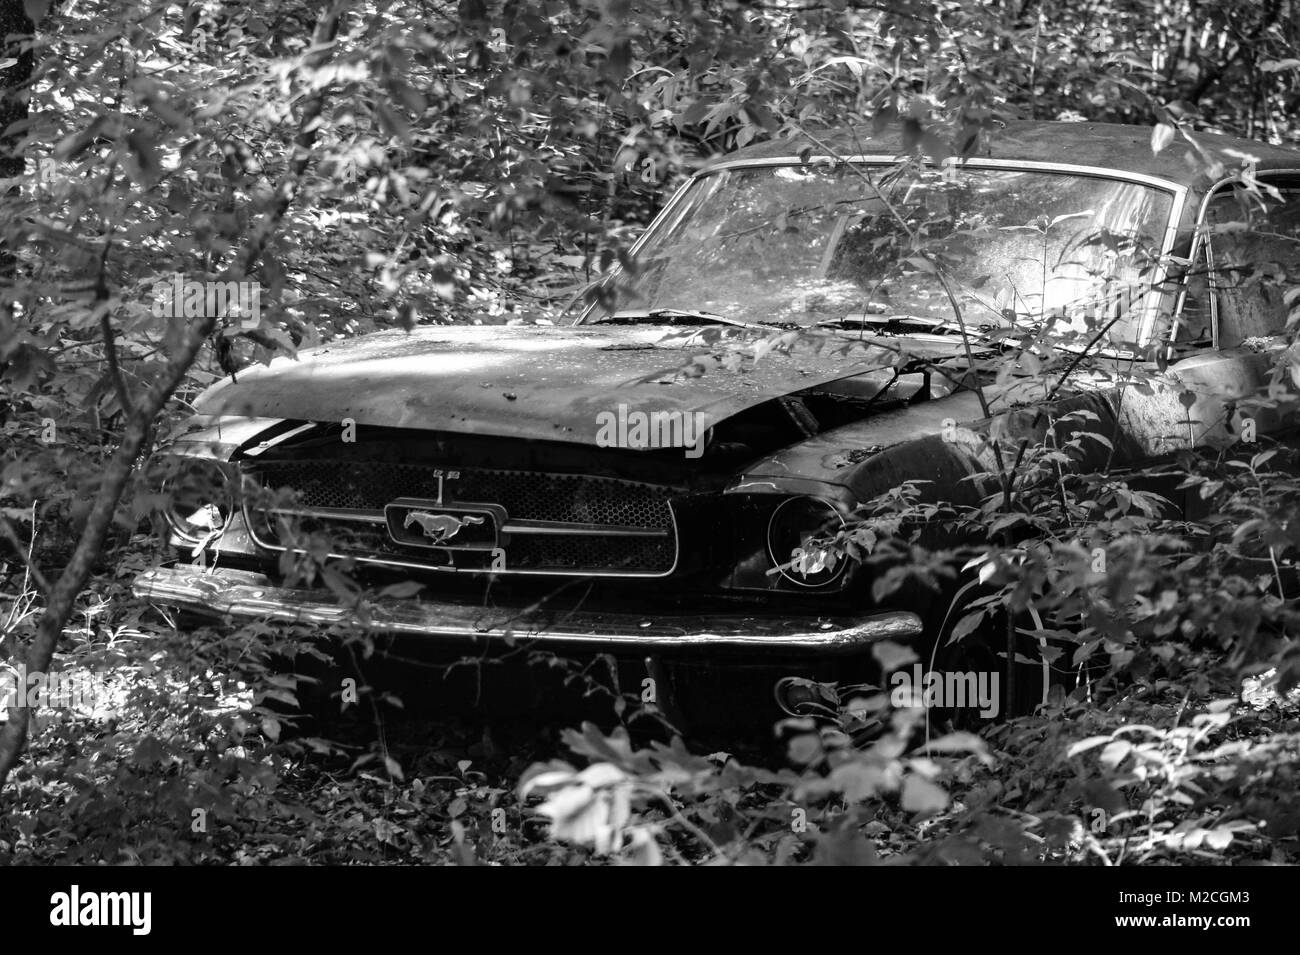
{"points": [[656, 479]]}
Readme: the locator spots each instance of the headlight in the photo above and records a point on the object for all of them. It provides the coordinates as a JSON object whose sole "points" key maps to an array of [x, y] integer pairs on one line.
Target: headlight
{"points": [[198, 497], [798, 541]]}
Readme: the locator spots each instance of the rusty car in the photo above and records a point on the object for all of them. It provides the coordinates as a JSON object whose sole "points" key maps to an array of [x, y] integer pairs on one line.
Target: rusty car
{"points": [[644, 480]]}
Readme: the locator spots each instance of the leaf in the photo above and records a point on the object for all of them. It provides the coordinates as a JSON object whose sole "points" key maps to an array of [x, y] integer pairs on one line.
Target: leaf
{"points": [[856, 64], [602, 774], [922, 796], [845, 847], [1071, 215], [1218, 838], [959, 742], [966, 626], [146, 153], [547, 780], [1115, 752], [1092, 742], [1276, 66], [73, 144], [1162, 134], [935, 147], [643, 849], [271, 727], [884, 116], [891, 655], [472, 11], [391, 121], [804, 749], [857, 781], [407, 588]]}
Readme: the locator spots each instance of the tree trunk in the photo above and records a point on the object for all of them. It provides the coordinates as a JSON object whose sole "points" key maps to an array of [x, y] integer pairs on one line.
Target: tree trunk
{"points": [[16, 36], [61, 599]]}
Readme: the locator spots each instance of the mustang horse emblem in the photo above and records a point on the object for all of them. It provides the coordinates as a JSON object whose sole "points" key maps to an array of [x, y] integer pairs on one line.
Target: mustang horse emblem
{"points": [[440, 528]]}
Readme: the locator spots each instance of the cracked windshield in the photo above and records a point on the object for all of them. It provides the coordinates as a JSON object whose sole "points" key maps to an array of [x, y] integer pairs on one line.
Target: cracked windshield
{"points": [[812, 245]]}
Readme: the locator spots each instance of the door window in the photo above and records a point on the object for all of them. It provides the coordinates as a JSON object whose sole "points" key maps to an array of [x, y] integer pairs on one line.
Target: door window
{"points": [[1254, 259]]}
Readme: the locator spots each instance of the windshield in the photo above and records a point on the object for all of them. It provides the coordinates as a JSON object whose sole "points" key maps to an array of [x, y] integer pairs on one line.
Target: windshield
{"points": [[808, 245]]}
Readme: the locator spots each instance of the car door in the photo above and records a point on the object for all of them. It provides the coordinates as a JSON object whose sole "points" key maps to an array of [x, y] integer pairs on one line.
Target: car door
{"points": [[1230, 329], [1227, 335]]}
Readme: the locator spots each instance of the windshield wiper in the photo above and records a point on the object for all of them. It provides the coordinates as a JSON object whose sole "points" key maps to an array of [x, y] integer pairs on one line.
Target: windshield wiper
{"points": [[669, 316], [908, 322], [938, 326]]}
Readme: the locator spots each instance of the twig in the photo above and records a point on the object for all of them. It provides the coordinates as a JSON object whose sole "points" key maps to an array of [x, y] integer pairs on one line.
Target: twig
{"points": [[106, 329], [689, 826], [25, 553]]}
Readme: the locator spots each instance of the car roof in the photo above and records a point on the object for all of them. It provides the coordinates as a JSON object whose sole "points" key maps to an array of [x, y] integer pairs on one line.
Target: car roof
{"points": [[1105, 145]]}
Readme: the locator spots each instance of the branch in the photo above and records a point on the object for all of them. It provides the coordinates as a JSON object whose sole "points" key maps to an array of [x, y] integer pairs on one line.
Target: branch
{"points": [[25, 552], [106, 329]]}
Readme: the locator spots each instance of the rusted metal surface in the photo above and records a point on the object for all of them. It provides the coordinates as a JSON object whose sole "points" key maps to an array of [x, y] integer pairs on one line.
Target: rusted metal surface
{"points": [[1107, 145], [947, 442], [1196, 403], [216, 437], [836, 456], [244, 594], [541, 382]]}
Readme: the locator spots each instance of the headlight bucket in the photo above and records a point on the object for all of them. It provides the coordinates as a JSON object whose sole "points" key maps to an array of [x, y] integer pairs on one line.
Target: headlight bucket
{"points": [[798, 534], [199, 496]]}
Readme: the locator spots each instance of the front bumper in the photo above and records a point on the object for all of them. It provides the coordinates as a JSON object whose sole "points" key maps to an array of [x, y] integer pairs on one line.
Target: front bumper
{"points": [[243, 594]]}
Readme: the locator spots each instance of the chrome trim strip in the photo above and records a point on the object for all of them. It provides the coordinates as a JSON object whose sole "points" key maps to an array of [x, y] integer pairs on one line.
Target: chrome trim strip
{"points": [[249, 595], [351, 514], [264, 446], [408, 565], [977, 162], [1148, 327], [640, 240], [581, 530], [565, 528]]}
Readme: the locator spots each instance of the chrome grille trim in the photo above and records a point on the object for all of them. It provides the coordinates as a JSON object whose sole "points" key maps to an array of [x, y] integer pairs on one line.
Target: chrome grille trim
{"points": [[511, 527], [531, 487]]}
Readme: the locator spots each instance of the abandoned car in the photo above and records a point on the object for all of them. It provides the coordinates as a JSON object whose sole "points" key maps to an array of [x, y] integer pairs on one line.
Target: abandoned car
{"points": [[802, 328]]}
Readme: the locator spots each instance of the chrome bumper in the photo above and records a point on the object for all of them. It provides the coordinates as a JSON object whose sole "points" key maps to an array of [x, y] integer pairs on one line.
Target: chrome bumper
{"points": [[244, 594]]}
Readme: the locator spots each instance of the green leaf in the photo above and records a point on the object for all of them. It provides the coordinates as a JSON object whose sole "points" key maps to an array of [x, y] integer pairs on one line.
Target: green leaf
{"points": [[923, 796], [891, 655], [271, 727], [1218, 838], [1092, 742], [407, 588], [966, 626], [1162, 134]]}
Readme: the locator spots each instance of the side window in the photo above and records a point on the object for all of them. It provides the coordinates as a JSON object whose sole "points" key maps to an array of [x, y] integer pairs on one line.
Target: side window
{"points": [[1195, 318], [1255, 257]]}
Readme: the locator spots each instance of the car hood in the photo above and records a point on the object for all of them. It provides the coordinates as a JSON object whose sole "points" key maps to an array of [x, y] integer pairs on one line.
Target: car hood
{"points": [[543, 382]]}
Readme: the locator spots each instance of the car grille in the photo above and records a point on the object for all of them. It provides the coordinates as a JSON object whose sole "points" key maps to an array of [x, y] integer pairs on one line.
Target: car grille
{"points": [[554, 523]]}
